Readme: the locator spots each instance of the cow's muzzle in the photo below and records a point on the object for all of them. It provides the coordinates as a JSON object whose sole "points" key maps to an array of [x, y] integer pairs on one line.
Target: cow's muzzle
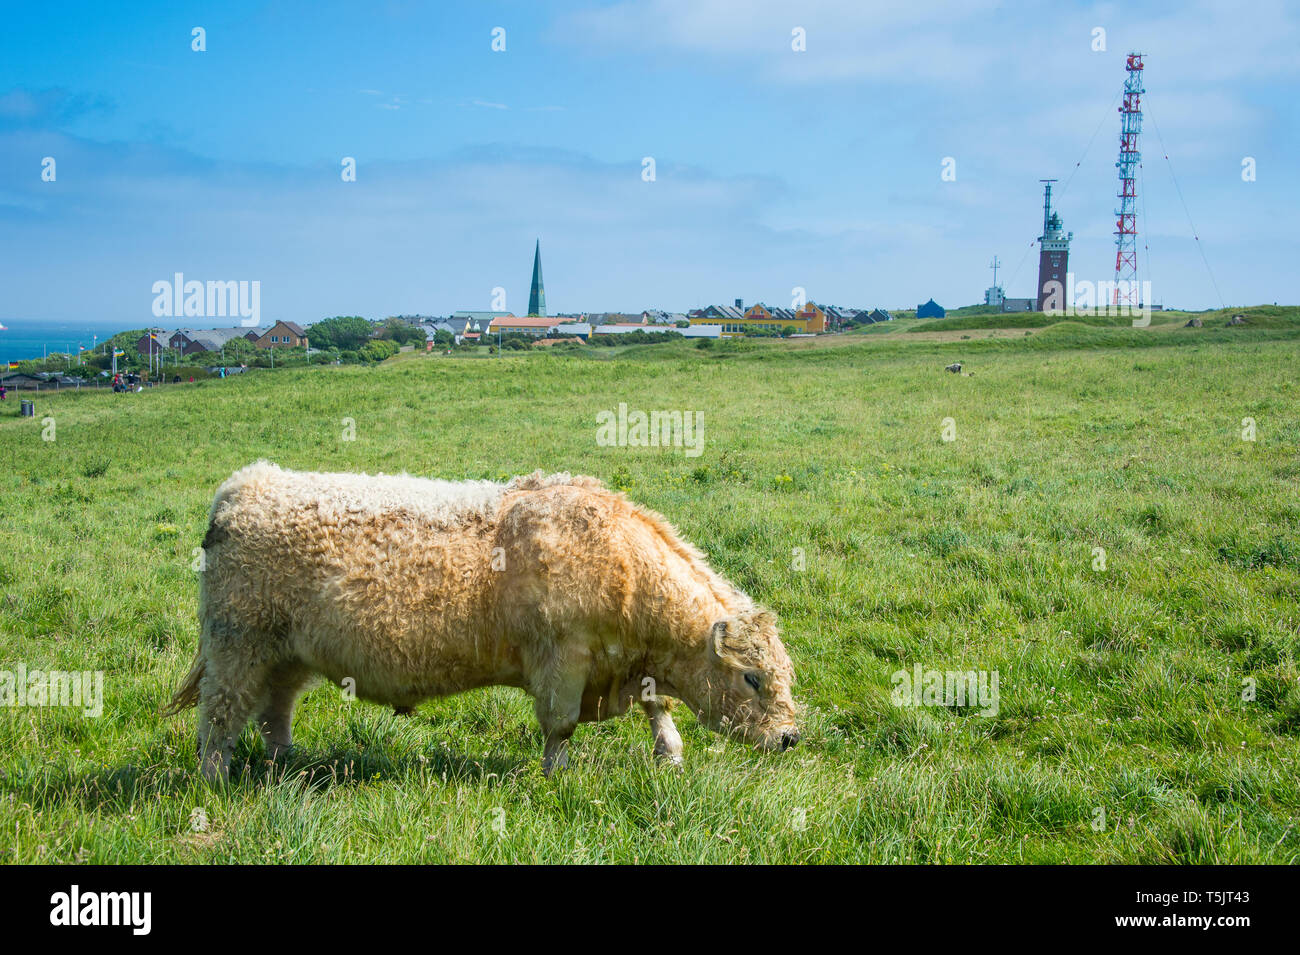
{"points": [[789, 738]]}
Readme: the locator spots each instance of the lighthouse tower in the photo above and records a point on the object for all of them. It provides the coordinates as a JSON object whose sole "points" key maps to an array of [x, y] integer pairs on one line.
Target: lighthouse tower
{"points": [[1053, 254]]}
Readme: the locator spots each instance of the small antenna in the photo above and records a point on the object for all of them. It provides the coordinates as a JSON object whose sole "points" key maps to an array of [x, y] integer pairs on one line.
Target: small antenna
{"points": [[1047, 202]]}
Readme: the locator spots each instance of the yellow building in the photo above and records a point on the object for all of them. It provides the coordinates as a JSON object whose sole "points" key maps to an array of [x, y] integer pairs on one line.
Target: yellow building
{"points": [[810, 319], [813, 317]]}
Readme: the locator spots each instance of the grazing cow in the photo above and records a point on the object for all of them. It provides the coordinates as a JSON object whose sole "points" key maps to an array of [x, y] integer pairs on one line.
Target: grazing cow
{"points": [[955, 368], [414, 588]]}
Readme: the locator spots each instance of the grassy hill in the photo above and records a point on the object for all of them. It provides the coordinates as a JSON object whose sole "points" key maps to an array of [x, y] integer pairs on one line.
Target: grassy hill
{"points": [[827, 491], [982, 317]]}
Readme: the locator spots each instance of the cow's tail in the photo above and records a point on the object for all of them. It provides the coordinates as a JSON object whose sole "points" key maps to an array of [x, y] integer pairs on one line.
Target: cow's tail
{"points": [[187, 694]]}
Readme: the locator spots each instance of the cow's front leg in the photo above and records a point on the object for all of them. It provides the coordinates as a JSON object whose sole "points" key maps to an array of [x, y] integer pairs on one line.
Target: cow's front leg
{"points": [[667, 741], [558, 704]]}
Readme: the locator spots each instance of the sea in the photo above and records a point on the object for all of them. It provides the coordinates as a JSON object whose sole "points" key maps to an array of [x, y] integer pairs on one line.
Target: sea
{"points": [[31, 338]]}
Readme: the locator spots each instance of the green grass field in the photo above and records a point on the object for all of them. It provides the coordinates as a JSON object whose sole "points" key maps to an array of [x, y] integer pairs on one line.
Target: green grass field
{"points": [[1148, 711]]}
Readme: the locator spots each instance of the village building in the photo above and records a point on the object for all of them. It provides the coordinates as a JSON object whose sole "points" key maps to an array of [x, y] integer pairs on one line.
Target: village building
{"points": [[718, 313], [1018, 304], [535, 325], [188, 341], [760, 317], [615, 318], [655, 316], [701, 331], [281, 335], [40, 380], [476, 323], [579, 330], [813, 317], [838, 318]]}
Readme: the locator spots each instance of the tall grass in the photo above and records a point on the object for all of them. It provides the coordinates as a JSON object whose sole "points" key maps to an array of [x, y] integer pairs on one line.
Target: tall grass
{"points": [[827, 491]]}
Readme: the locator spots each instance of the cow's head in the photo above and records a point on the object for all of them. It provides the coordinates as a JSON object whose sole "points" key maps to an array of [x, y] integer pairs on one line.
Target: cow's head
{"points": [[744, 686]]}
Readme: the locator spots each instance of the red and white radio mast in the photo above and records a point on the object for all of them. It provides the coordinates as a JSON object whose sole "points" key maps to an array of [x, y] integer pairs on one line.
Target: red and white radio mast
{"points": [[1126, 263]]}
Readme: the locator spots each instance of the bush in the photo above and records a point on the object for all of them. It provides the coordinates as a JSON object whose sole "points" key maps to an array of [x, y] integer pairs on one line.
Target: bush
{"points": [[638, 337], [378, 349]]}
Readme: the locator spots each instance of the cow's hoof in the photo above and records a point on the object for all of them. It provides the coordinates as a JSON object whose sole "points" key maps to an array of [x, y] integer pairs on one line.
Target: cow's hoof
{"points": [[550, 765]]}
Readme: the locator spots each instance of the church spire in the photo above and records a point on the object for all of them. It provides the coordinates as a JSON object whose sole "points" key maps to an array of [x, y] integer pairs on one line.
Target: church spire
{"points": [[537, 294]]}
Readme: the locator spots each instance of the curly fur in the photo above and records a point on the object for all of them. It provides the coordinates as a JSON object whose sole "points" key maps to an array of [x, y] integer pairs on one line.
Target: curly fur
{"points": [[407, 588]]}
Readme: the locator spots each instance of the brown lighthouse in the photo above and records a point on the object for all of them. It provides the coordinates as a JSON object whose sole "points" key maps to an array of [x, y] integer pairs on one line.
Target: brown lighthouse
{"points": [[1053, 256]]}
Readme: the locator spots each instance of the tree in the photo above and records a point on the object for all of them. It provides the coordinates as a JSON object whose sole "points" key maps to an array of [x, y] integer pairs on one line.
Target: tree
{"points": [[344, 332], [404, 333], [124, 341], [238, 348]]}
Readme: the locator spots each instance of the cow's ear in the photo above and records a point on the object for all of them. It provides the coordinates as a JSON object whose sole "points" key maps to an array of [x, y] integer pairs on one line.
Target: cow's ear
{"points": [[727, 640], [720, 633]]}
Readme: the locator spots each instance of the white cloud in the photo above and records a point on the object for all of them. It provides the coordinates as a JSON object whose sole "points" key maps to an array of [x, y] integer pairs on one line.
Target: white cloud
{"points": [[915, 42], [932, 43], [428, 235]]}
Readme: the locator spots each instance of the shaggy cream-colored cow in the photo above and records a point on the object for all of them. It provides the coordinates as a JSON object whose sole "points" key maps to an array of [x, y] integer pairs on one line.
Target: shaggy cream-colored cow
{"points": [[413, 588]]}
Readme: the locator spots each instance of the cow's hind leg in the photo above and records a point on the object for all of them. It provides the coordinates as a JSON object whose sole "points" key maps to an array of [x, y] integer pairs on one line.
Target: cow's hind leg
{"points": [[234, 682], [667, 741], [275, 715]]}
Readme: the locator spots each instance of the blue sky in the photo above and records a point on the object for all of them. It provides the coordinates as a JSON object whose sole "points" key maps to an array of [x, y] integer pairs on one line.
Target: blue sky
{"points": [[775, 169]]}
